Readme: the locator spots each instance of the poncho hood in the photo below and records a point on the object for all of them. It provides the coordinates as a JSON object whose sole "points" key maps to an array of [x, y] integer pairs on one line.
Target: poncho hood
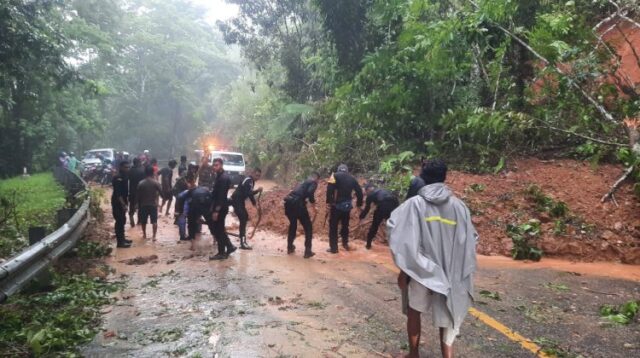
{"points": [[437, 193]]}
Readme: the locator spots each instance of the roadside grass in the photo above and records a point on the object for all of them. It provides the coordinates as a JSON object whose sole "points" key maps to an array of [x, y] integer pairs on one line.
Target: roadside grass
{"points": [[26, 202]]}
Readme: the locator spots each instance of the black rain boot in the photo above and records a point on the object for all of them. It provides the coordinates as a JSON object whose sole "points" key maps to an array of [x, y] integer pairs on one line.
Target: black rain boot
{"points": [[219, 256]]}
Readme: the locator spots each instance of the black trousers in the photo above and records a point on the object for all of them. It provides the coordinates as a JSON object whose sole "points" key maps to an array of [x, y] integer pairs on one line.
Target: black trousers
{"points": [[133, 201], [120, 217], [216, 228], [338, 217], [298, 212], [193, 219], [220, 232], [243, 216], [383, 212]]}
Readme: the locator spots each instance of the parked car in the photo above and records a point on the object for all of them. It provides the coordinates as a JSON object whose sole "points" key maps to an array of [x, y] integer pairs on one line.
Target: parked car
{"points": [[91, 160]]}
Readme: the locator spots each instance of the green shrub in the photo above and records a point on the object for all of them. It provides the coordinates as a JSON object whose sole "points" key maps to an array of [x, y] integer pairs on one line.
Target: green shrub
{"points": [[54, 323], [620, 314], [524, 239]]}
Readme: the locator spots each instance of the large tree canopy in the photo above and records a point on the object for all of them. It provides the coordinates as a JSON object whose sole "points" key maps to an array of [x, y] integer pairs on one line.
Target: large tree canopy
{"points": [[76, 74]]}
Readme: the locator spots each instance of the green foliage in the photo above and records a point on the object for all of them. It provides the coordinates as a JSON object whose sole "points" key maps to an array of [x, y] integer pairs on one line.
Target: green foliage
{"points": [[553, 348], [56, 322], [620, 314], [97, 196], [26, 202], [396, 172], [544, 203], [524, 237], [91, 249], [558, 287], [443, 78], [476, 188], [491, 295]]}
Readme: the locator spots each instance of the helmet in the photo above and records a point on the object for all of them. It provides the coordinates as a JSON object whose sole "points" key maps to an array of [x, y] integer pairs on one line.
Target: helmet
{"points": [[343, 168], [72, 153], [146, 151]]}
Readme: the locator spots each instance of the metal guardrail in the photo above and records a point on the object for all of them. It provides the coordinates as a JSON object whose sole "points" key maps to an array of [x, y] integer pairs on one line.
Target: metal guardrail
{"points": [[16, 272]]}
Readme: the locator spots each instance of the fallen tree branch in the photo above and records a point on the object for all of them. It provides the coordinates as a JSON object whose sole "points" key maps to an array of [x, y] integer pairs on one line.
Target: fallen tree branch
{"points": [[617, 184], [548, 126], [605, 114], [602, 293]]}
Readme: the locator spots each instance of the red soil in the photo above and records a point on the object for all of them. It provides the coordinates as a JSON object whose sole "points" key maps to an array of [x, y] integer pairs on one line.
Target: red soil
{"points": [[601, 232]]}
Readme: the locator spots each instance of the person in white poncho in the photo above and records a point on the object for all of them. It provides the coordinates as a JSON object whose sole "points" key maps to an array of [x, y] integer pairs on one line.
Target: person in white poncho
{"points": [[433, 242]]}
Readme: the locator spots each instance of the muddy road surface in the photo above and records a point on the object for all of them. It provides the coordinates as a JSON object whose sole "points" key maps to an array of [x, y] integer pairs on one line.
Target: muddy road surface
{"points": [[265, 303]]}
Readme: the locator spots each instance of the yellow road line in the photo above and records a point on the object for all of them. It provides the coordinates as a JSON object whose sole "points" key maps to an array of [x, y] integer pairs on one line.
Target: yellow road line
{"points": [[509, 333], [493, 323]]}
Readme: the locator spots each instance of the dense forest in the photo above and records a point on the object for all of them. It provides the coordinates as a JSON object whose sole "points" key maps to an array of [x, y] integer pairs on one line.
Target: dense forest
{"points": [[134, 75], [372, 83]]}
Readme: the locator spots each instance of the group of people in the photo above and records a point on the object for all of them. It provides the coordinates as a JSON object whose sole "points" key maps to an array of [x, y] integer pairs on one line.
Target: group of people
{"points": [[341, 188], [69, 161], [431, 236], [138, 189]]}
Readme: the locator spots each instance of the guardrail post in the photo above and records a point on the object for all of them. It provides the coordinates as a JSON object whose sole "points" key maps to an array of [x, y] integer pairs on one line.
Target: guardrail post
{"points": [[36, 234], [64, 215]]}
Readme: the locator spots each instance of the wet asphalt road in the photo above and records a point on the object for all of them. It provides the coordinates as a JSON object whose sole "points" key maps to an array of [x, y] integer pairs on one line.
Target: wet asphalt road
{"points": [[264, 303]]}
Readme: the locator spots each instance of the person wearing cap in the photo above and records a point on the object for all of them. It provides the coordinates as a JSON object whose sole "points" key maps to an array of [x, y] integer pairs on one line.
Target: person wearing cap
{"points": [[340, 187], [433, 243], [385, 202], [239, 197]]}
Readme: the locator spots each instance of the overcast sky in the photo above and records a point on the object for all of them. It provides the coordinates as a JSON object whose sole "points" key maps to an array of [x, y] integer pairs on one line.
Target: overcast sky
{"points": [[217, 9]]}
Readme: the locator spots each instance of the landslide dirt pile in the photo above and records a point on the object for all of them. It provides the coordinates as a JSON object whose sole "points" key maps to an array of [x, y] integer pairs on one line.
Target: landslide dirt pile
{"points": [[588, 231]]}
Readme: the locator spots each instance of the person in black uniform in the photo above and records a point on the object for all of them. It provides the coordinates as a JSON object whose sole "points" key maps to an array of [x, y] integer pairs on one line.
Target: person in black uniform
{"points": [[200, 206], [243, 192], [295, 207], [221, 187], [339, 202], [119, 201], [385, 201], [416, 181], [182, 168], [136, 175]]}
